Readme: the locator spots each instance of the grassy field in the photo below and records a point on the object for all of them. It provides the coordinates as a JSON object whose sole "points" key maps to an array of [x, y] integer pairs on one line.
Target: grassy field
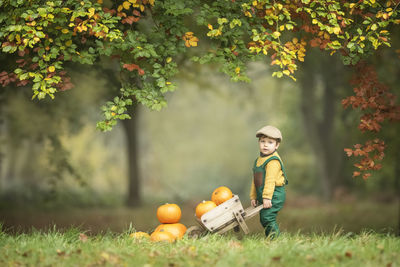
{"points": [[53, 248], [309, 217]]}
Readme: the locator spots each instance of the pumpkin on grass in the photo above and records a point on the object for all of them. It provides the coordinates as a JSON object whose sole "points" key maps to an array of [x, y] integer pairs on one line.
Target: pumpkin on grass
{"points": [[177, 229], [221, 194], [169, 213], [204, 207], [162, 235]]}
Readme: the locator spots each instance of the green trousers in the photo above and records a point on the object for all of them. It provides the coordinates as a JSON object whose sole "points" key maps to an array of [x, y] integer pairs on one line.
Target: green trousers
{"points": [[268, 216]]}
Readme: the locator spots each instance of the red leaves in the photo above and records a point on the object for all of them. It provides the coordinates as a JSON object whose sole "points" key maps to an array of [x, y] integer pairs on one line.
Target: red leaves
{"points": [[378, 105], [371, 151], [7, 78], [132, 67], [130, 20]]}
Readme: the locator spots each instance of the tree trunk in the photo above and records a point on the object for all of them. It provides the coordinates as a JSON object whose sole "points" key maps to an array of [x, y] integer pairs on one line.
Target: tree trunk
{"points": [[130, 126], [318, 114], [315, 136]]}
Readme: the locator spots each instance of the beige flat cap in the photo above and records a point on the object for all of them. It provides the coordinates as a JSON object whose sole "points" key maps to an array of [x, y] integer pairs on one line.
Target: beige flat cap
{"points": [[270, 131]]}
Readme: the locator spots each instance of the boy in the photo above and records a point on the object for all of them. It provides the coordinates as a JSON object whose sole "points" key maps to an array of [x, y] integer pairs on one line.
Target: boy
{"points": [[268, 186]]}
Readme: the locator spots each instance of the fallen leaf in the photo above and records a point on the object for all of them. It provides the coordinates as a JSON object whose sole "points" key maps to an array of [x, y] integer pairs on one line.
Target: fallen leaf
{"points": [[83, 238], [60, 253], [235, 244], [310, 258], [348, 254], [276, 258]]}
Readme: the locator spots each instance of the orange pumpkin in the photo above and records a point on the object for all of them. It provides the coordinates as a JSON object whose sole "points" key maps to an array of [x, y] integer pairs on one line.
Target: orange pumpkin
{"points": [[177, 229], [204, 207], [162, 235], [139, 235], [169, 213], [221, 194]]}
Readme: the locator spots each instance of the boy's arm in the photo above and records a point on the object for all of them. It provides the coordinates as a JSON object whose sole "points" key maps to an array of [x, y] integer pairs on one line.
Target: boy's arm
{"points": [[271, 174]]}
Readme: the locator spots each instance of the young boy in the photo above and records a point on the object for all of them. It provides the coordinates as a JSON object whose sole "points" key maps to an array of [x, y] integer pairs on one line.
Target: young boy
{"points": [[268, 186]]}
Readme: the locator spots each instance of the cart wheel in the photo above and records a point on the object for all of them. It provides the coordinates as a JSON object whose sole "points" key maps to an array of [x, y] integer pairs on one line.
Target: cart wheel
{"points": [[195, 232]]}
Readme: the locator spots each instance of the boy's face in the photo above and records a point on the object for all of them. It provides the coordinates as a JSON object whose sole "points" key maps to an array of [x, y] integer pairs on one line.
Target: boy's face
{"points": [[267, 145]]}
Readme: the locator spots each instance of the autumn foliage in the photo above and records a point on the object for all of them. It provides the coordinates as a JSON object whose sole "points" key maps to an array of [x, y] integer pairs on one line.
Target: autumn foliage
{"points": [[146, 37], [377, 105]]}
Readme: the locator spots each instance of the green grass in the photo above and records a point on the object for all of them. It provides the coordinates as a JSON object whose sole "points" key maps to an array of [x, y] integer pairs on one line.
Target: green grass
{"points": [[53, 248]]}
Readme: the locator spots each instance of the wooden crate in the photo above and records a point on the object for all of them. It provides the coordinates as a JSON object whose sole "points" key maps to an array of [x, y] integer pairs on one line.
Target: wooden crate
{"points": [[228, 215]]}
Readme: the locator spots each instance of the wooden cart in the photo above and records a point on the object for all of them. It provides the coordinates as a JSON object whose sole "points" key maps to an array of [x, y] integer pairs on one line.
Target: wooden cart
{"points": [[223, 218]]}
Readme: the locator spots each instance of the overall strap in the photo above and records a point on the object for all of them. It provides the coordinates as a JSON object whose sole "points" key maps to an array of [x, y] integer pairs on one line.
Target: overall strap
{"points": [[282, 167]]}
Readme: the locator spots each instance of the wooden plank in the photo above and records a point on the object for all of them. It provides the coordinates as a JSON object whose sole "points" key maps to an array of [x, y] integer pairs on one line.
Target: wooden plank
{"points": [[242, 223], [222, 214], [248, 213], [251, 211], [227, 227]]}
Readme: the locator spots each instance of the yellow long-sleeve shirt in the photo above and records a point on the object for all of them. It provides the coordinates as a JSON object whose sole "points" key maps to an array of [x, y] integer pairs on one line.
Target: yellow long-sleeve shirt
{"points": [[273, 177]]}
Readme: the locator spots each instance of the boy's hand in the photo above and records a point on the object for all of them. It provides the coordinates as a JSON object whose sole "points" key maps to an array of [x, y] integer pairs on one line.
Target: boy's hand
{"points": [[267, 203], [253, 202]]}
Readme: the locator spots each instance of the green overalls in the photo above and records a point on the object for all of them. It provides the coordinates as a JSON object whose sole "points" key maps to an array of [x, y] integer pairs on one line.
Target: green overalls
{"points": [[268, 216]]}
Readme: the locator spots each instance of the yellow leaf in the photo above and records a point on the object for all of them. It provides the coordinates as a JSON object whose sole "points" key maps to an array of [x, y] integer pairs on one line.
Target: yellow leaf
{"points": [[210, 26], [91, 12], [248, 14], [168, 83], [276, 34], [169, 59], [336, 30], [132, 1], [282, 27], [100, 2], [151, 2], [192, 42], [142, 8], [237, 70], [119, 9], [52, 69], [68, 43], [18, 38], [372, 1], [126, 5], [64, 31], [295, 40], [314, 21], [286, 72], [352, 5]]}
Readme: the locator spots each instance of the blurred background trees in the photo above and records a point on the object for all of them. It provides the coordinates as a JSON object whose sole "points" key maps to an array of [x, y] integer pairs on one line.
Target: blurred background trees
{"points": [[51, 154]]}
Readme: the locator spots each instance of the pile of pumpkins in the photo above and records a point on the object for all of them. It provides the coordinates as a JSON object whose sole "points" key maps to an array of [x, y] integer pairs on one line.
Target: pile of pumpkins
{"points": [[170, 229], [169, 216], [218, 196]]}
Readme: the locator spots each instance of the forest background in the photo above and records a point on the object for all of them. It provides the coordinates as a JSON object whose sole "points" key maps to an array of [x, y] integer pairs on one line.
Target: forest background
{"points": [[55, 167]]}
